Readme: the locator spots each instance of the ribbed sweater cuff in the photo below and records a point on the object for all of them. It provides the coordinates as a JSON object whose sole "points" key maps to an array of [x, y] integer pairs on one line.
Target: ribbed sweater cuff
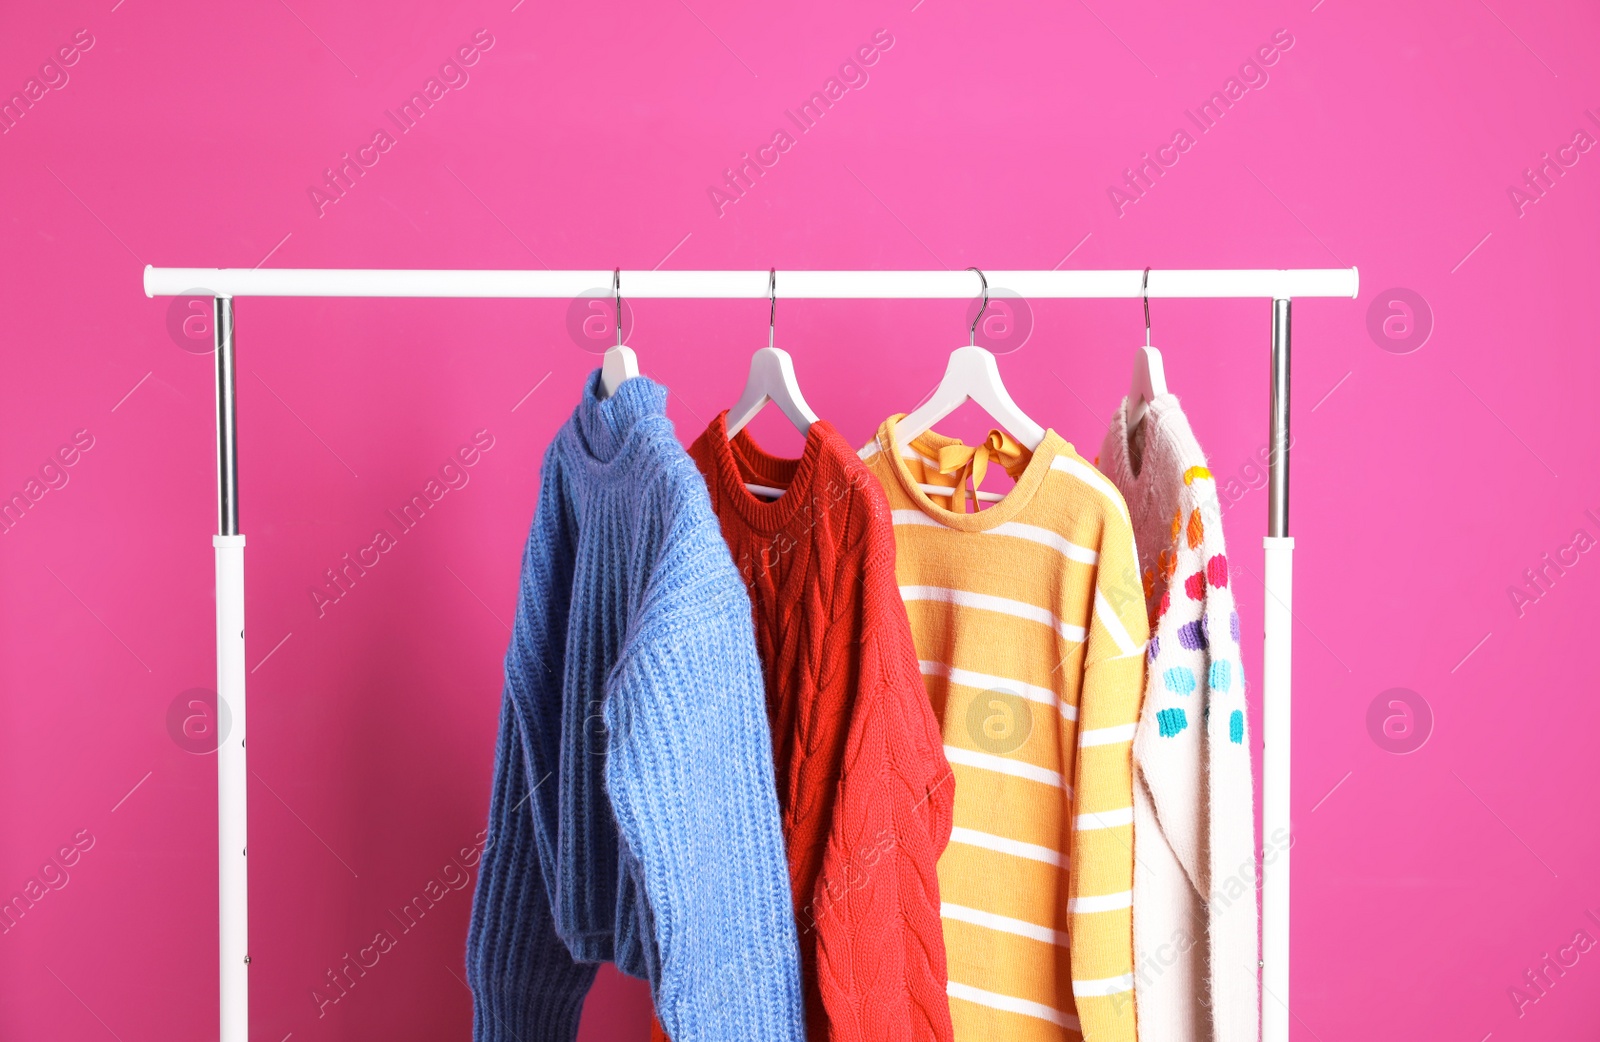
{"points": [[538, 1015]]}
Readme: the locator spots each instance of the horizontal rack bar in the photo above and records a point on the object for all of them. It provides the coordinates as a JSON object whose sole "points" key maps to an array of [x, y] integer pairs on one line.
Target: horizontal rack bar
{"points": [[792, 285]]}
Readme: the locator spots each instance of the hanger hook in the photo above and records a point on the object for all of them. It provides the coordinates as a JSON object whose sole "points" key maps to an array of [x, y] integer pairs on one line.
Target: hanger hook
{"points": [[972, 334], [772, 310], [1144, 291], [616, 292]]}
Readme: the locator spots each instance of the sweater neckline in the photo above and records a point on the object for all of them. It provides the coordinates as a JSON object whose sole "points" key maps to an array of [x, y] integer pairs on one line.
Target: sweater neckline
{"points": [[739, 459], [1136, 485], [605, 428], [928, 444]]}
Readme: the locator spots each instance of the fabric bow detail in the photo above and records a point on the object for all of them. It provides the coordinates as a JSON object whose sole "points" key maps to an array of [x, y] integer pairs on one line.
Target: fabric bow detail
{"points": [[964, 461]]}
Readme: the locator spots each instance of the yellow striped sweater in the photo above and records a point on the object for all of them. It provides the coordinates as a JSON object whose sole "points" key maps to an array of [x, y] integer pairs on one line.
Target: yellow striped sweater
{"points": [[1029, 622]]}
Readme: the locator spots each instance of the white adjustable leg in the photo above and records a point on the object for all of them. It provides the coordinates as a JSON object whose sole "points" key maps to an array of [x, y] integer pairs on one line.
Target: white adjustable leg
{"points": [[233, 887], [1275, 835]]}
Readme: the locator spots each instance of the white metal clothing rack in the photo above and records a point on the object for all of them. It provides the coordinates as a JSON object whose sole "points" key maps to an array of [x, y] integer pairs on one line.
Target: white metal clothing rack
{"points": [[224, 284]]}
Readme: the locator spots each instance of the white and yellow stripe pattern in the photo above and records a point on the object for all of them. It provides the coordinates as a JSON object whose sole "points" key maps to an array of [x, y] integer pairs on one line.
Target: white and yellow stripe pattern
{"points": [[1029, 621]]}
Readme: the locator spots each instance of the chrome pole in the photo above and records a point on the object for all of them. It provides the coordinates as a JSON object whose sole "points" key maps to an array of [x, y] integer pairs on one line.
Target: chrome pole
{"points": [[1278, 481], [227, 422]]}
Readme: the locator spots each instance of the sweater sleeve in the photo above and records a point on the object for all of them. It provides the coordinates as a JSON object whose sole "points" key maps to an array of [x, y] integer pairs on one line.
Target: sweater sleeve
{"points": [[1230, 791], [1100, 900], [689, 772], [525, 984], [875, 908]]}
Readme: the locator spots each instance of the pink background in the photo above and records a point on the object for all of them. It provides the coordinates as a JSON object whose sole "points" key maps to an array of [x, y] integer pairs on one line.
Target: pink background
{"points": [[1425, 483]]}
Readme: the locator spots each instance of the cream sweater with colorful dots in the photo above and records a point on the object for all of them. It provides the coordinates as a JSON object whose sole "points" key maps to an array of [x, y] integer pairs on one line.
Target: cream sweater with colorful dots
{"points": [[1194, 895]]}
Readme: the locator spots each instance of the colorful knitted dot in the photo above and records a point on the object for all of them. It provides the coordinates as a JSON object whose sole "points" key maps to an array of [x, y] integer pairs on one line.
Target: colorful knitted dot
{"points": [[1172, 721], [1221, 675], [1192, 636], [1149, 579], [1166, 602], [1195, 586], [1197, 529], [1168, 561], [1217, 570], [1236, 728], [1179, 680], [1153, 649], [1233, 625], [1177, 523], [1193, 473]]}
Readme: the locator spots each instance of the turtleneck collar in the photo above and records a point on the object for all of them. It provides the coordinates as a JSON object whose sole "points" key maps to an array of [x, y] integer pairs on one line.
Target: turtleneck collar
{"points": [[604, 425]]}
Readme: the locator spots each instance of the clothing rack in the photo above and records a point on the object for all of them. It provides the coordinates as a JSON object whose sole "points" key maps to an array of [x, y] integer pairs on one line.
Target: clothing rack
{"points": [[224, 284]]}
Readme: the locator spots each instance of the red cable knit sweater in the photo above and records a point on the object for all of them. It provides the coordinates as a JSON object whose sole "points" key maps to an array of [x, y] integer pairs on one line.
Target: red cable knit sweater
{"points": [[863, 784]]}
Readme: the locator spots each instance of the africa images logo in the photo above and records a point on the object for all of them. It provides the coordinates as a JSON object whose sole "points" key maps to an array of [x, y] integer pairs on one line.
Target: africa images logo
{"points": [[999, 721]]}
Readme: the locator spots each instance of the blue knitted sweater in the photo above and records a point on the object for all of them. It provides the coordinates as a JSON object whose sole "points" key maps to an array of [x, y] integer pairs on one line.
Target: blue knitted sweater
{"points": [[634, 817]]}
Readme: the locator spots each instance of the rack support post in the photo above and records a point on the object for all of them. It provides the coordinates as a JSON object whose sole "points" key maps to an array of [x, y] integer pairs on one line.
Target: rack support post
{"points": [[233, 889], [1278, 621]]}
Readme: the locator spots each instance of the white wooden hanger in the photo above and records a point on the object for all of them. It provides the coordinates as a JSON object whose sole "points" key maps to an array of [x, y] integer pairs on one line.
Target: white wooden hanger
{"points": [[620, 362], [772, 380], [1149, 375], [971, 374]]}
